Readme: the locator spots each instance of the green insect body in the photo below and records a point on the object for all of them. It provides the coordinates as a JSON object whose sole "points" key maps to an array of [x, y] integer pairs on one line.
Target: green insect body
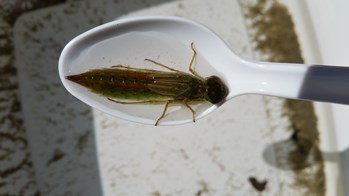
{"points": [[146, 86]]}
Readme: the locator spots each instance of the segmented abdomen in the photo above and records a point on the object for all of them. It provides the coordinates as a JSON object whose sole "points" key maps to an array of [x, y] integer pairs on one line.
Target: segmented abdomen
{"points": [[118, 83]]}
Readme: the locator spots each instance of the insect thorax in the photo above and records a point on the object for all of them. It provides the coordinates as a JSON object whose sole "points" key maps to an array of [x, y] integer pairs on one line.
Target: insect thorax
{"points": [[196, 90]]}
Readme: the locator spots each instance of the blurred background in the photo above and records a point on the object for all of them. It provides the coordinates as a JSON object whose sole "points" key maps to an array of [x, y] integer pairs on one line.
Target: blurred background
{"points": [[53, 144]]}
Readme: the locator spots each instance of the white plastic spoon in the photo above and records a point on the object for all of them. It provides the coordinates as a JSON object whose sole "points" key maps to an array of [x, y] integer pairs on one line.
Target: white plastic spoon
{"points": [[167, 39]]}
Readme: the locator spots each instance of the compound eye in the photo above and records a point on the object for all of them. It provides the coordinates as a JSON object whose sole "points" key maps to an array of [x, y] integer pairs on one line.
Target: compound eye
{"points": [[216, 89]]}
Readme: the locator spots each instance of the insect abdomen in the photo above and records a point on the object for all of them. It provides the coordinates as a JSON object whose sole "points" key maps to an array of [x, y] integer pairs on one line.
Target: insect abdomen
{"points": [[117, 83]]}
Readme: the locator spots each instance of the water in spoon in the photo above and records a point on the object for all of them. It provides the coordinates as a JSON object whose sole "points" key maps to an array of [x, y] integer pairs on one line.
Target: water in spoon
{"points": [[131, 49]]}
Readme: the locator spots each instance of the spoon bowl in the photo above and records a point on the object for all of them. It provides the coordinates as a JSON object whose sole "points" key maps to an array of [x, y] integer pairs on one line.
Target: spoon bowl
{"points": [[167, 39]]}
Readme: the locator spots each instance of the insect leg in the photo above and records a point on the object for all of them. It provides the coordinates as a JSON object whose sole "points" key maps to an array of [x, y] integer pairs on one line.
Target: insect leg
{"points": [[132, 68], [162, 65], [163, 113], [148, 101], [138, 102], [129, 68], [192, 62], [190, 108], [122, 66]]}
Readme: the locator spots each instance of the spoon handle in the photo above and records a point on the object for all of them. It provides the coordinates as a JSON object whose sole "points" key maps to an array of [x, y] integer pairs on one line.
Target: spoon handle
{"points": [[298, 81], [326, 83]]}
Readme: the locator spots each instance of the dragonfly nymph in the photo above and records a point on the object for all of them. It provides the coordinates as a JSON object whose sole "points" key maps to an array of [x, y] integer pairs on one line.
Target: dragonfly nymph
{"points": [[148, 86]]}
